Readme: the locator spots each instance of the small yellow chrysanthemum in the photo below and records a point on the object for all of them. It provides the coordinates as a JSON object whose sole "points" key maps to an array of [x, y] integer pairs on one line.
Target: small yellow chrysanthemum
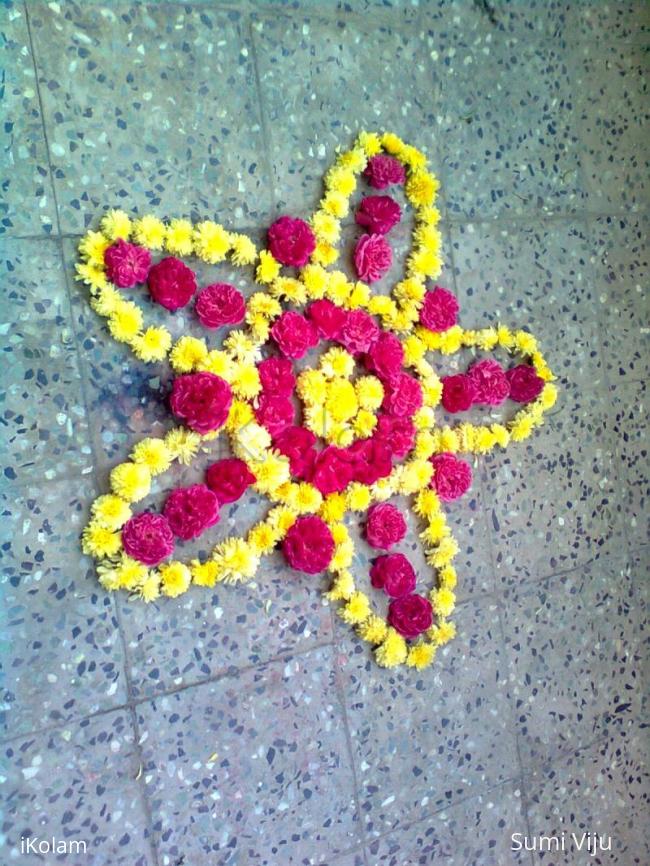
{"points": [[250, 442], [447, 577], [149, 590], [373, 630], [131, 481], [244, 251], [436, 529], [262, 304], [415, 475], [358, 497], [444, 553], [154, 454], [315, 279], [342, 180], [342, 588], [312, 387], [338, 287], [392, 650], [268, 268], [424, 418], [92, 275], [384, 488], [442, 633], [240, 345], [335, 204], [358, 297], [364, 423], [281, 519], [305, 498], [420, 656], [178, 238], [115, 225], [108, 576], [341, 400], [152, 345], [218, 362], [356, 610], [241, 414], [370, 392], [182, 444], [382, 305], [370, 142], [289, 289], [421, 188], [175, 578], [336, 362], [106, 301], [521, 428], [326, 227], [235, 560], [110, 511], [99, 541], [187, 354], [150, 232], [125, 322], [92, 248], [324, 254], [245, 381], [130, 573], [427, 503], [204, 573], [548, 396], [443, 601], [211, 241], [262, 538], [333, 508], [271, 472]]}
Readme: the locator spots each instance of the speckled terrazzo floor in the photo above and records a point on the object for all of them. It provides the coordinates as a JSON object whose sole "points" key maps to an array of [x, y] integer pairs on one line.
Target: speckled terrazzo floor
{"points": [[246, 726]]}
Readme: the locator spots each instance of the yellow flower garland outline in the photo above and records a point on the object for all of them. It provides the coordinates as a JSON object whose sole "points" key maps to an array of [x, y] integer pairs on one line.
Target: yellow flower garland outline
{"points": [[236, 363]]}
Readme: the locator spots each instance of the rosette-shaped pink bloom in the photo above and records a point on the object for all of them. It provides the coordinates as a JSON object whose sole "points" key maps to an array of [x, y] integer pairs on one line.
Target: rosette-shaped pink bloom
{"points": [[190, 510], [229, 479], [126, 264], [490, 382], [382, 171], [333, 470], [294, 335], [394, 574], [452, 477], [297, 443], [439, 310], [148, 538], [410, 615], [525, 384], [372, 257], [276, 377], [220, 304], [402, 396], [359, 332], [372, 460], [378, 213], [202, 400], [385, 356], [308, 545], [328, 318], [171, 283], [291, 241], [274, 413], [397, 432], [458, 393], [385, 526]]}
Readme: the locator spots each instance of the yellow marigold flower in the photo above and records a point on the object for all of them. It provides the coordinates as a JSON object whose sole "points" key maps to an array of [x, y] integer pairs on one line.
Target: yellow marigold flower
{"points": [[235, 560], [436, 530], [178, 238], [355, 159], [336, 362], [150, 232], [373, 630], [115, 225], [525, 342], [391, 142], [364, 423], [244, 251], [271, 472], [548, 396], [443, 601], [432, 391], [333, 508], [358, 497], [442, 633], [246, 381], [370, 392], [444, 553], [92, 275], [370, 142], [420, 656], [152, 345], [392, 650], [421, 188], [211, 241], [382, 305], [110, 511], [505, 337], [182, 444], [240, 345], [411, 289], [315, 279], [412, 156], [486, 339], [262, 304], [448, 441], [384, 488], [340, 533], [427, 503], [358, 297], [149, 590], [187, 354], [304, 498], [335, 204], [341, 399], [131, 481], [341, 179], [501, 435], [154, 454], [106, 301], [281, 519], [356, 610], [99, 541], [250, 442], [241, 414], [324, 254], [268, 268], [289, 289], [424, 418], [312, 387], [428, 236], [484, 440], [108, 576], [342, 588], [402, 321], [218, 362], [92, 248], [175, 578], [447, 577], [130, 573], [125, 322], [415, 475], [340, 434], [262, 538], [425, 444], [425, 262], [414, 350], [451, 340], [326, 227], [204, 573], [521, 428], [343, 556]]}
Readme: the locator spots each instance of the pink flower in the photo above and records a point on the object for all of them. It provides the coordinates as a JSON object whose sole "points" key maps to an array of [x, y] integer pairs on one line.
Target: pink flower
{"points": [[297, 443], [126, 264], [229, 479], [378, 213], [372, 257], [276, 376], [458, 393], [439, 310], [394, 574], [328, 318], [385, 526], [359, 332], [382, 171], [202, 400], [333, 470], [190, 510], [402, 396], [398, 432], [410, 615], [525, 384], [372, 460], [294, 334], [148, 538], [220, 304], [490, 383], [308, 545], [291, 241], [274, 413], [171, 283], [385, 356], [451, 477]]}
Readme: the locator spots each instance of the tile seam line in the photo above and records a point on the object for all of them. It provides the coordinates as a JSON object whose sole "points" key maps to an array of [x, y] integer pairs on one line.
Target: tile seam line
{"points": [[266, 131]]}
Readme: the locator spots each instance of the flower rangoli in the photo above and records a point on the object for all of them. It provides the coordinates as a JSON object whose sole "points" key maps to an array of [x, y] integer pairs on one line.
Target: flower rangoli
{"points": [[344, 436]]}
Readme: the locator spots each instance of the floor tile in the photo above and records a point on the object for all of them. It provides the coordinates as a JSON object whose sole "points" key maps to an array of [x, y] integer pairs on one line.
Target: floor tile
{"points": [[612, 107], [351, 88], [555, 499], [76, 783], [630, 429], [268, 780], [27, 205], [172, 126], [424, 740], [570, 644], [615, 20], [585, 793], [43, 411], [621, 264], [64, 655], [476, 831]]}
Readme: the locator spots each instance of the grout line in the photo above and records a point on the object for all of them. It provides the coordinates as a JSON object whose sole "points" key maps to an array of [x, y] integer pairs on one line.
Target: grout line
{"points": [[266, 126]]}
